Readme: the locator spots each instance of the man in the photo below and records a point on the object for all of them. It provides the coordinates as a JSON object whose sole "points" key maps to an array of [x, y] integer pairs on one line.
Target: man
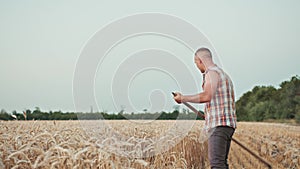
{"points": [[220, 117]]}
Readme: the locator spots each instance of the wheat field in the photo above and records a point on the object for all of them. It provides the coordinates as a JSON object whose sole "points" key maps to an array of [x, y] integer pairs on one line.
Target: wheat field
{"points": [[139, 145]]}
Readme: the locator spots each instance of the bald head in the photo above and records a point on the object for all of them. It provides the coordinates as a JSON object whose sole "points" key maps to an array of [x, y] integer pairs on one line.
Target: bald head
{"points": [[203, 59], [203, 53]]}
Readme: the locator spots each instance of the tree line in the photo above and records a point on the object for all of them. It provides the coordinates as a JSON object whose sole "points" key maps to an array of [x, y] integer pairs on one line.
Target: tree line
{"points": [[267, 103], [260, 104], [37, 114]]}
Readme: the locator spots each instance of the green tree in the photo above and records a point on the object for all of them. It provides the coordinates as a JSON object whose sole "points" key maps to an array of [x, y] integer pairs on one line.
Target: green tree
{"points": [[267, 102], [4, 115], [288, 101]]}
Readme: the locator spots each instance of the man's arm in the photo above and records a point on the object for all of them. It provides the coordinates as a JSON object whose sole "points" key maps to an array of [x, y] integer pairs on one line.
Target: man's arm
{"points": [[209, 90]]}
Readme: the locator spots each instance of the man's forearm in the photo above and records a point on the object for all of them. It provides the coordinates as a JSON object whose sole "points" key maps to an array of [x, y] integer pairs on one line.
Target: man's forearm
{"points": [[197, 98]]}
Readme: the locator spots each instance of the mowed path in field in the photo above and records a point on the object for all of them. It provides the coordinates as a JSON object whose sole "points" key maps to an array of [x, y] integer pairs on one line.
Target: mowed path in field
{"points": [[139, 144], [279, 144]]}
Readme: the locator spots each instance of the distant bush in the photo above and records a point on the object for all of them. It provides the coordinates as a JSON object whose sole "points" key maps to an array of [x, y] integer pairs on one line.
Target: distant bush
{"points": [[267, 102]]}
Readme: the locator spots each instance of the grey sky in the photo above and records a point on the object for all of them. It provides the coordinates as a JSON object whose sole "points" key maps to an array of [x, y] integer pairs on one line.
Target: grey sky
{"points": [[257, 42]]}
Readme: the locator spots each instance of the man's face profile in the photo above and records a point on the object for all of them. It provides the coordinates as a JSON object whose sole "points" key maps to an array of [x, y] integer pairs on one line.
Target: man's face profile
{"points": [[199, 63]]}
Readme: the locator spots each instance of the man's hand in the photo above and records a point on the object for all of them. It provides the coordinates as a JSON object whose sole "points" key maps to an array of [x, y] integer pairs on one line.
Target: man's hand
{"points": [[178, 97]]}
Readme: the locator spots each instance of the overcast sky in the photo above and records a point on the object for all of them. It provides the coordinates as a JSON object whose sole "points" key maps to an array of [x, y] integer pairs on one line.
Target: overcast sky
{"points": [[40, 42]]}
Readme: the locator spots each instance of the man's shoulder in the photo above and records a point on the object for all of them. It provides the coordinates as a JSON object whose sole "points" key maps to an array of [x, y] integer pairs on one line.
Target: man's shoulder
{"points": [[213, 73], [214, 76]]}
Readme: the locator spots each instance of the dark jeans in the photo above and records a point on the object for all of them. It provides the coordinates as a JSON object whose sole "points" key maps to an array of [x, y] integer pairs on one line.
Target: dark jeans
{"points": [[218, 147]]}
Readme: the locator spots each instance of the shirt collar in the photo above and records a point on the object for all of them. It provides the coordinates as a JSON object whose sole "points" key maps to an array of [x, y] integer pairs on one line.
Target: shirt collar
{"points": [[209, 68]]}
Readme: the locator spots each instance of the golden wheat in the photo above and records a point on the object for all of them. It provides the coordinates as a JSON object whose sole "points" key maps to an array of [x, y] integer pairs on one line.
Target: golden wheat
{"points": [[126, 144]]}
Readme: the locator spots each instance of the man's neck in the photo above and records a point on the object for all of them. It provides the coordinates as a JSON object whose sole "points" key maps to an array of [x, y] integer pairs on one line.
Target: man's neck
{"points": [[210, 66]]}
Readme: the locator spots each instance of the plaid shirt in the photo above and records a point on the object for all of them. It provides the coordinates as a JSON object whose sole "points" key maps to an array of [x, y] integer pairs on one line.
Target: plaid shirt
{"points": [[220, 111]]}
